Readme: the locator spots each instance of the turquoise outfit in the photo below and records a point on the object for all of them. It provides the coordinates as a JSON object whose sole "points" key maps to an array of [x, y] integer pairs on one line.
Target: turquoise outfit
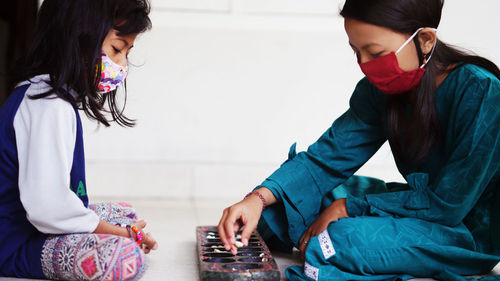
{"points": [[443, 223]]}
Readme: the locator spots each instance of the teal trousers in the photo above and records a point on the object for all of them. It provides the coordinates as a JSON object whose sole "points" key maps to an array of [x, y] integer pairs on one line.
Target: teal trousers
{"points": [[381, 247]]}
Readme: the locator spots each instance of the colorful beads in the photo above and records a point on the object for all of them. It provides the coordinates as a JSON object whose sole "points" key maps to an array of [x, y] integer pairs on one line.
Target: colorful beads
{"points": [[138, 233]]}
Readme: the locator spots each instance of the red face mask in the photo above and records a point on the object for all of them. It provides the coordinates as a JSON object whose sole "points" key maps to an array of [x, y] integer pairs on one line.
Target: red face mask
{"points": [[385, 73]]}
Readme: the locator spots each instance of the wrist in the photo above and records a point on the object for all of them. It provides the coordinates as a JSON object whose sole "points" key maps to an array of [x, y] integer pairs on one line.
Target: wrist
{"points": [[342, 208], [259, 197], [268, 195], [336, 210], [123, 231]]}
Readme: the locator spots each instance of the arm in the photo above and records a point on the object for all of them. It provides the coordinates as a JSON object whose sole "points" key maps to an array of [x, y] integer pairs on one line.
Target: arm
{"points": [[474, 158], [45, 137], [347, 145], [336, 156]]}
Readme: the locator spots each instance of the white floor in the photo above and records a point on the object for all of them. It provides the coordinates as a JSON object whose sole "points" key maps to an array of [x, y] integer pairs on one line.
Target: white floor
{"points": [[173, 224]]}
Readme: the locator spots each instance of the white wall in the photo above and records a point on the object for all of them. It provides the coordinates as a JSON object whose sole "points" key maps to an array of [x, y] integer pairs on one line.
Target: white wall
{"points": [[224, 87]]}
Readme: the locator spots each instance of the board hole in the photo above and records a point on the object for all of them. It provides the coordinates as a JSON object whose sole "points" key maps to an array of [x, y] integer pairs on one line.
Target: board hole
{"points": [[250, 254], [251, 259], [219, 260], [218, 255], [209, 245], [242, 266], [213, 240], [249, 250], [212, 250]]}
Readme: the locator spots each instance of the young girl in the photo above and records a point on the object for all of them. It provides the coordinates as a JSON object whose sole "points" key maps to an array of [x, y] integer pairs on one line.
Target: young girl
{"points": [[439, 109], [48, 229]]}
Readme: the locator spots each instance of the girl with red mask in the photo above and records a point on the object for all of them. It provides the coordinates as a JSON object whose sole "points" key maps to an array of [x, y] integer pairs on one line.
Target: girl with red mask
{"points": [[438, 108]]}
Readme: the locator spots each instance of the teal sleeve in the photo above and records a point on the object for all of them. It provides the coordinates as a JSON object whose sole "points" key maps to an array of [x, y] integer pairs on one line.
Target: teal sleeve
{"points": [[473, 147], [306, 177]]}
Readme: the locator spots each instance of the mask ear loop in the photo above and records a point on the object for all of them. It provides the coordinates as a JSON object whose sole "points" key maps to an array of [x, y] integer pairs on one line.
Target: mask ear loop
{"points": [[432, 52], [421, 56], [409, 40]]}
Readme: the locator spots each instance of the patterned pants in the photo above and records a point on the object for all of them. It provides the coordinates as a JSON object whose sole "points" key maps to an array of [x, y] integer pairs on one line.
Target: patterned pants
{"points": [[95, 256]]}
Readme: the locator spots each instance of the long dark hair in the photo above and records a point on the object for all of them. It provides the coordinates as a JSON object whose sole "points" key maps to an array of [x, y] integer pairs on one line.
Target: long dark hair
{"points": [[68, 45], [413, 137]]}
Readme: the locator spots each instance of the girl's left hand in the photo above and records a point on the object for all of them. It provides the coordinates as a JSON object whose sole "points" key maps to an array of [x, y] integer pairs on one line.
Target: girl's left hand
{"points": [[148, 242], [335, 211]]}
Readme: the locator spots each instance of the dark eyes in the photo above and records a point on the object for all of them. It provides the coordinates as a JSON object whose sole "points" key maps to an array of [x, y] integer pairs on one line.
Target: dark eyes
{"points": [[117, 51], [374, 56]]}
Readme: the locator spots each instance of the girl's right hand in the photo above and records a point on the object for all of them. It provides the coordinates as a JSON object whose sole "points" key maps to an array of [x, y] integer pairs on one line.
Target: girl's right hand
{"points": [[244, 214], [148, 242]]}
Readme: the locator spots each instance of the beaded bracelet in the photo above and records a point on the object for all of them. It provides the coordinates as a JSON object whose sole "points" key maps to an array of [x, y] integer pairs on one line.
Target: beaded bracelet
{"points": [[127, 226], [138, 233], [261, 197], [128, 230]]}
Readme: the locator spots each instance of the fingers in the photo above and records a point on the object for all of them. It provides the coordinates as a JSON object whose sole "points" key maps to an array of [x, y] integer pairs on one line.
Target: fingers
{"points": [[222, 232], [236, 227], [229, 226], [247, 231], [152, 243], [236, 219], [245, 213], [227, 230], [140, 224], [303, 241], [149, 243]]}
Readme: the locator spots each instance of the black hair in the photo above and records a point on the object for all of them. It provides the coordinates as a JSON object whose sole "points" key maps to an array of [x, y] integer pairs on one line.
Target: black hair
{"points": [[413, 137], [68, 46]]}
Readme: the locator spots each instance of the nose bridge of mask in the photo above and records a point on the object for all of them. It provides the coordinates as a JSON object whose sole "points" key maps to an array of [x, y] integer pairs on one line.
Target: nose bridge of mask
{"points": [[411, 38], [113, 64]]}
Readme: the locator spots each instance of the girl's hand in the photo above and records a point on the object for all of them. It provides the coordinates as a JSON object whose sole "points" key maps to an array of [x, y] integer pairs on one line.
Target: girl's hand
{"points": [[148, 242], [245, 213], [335, 211]]}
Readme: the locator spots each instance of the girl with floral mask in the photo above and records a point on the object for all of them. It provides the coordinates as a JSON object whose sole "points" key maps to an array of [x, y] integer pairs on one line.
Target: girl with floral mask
{"points": [[78, 61], [438, 108]]}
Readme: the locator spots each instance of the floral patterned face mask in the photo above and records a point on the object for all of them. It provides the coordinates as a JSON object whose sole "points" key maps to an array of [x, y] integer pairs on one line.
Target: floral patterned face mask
{"points": [[112, 75]]}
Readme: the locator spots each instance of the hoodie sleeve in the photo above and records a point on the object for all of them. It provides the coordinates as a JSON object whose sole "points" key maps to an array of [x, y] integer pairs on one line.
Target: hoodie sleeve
{"points": [[45, 136]]}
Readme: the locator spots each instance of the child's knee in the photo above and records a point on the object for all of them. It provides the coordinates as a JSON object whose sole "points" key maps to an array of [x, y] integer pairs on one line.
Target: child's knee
{"points": [[127, 210], [320, 248], [129, 264], [332, 243]]}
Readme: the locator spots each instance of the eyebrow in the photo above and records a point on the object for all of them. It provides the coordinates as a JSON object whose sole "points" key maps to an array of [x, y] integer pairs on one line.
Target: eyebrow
{"points": [[126, 42], [365, 46]]}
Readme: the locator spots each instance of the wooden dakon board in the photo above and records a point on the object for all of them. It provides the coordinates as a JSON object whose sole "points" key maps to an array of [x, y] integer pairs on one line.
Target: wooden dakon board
{"points": [[254, 262]]}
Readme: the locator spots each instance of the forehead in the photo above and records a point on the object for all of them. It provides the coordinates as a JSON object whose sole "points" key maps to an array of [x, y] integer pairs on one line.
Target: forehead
{"points": [[127, 39], [361, 33]]}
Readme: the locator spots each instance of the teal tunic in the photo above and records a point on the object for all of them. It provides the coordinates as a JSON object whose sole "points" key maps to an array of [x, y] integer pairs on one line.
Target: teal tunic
{"points": [[444, 222]]}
